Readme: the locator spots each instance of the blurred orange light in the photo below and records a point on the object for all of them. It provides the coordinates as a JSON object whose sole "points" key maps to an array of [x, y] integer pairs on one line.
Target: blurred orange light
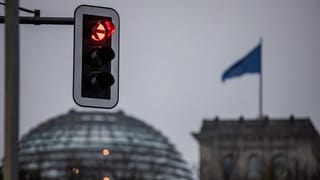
{"points": [[106, 178], [106, 152], [75, 170]]}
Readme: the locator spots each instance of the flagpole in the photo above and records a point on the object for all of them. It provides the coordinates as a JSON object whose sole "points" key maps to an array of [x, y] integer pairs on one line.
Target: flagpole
{"points": [[250, 63], [260, 85]]}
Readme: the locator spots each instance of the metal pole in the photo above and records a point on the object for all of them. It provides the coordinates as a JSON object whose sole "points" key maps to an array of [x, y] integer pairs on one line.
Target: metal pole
{"points": [[261, 84], [11, 120], [43, 20]]}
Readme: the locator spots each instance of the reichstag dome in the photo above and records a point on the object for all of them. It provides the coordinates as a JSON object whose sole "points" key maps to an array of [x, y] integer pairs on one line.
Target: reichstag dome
{"points": [[99, 146]]}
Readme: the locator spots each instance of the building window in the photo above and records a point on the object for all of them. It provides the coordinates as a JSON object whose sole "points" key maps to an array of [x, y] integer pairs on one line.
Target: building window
{"points": [[228, 165], [280, 165], [254, 167]]}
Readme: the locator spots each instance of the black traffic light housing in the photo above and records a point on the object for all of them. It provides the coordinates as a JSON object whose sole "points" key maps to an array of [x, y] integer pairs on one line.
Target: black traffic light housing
{"points": [[96, 57]]}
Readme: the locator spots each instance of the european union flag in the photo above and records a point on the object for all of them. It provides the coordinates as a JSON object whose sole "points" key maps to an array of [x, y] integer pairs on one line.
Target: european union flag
{"points": [[251, 63]]}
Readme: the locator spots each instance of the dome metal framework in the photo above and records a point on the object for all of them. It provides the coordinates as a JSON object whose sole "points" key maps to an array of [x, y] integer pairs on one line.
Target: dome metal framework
{"points": [[99, 146]]}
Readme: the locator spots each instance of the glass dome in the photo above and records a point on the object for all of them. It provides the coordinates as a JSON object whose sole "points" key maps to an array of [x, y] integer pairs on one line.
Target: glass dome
{"points": [[99, 146]]}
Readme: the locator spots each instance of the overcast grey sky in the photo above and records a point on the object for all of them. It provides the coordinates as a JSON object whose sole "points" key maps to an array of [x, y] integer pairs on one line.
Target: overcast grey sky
{"points": [[172, 55]]}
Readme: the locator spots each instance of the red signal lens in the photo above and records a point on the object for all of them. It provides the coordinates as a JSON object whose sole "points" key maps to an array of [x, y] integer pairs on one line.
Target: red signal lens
{"points": [[102, 30], [98, 32]]}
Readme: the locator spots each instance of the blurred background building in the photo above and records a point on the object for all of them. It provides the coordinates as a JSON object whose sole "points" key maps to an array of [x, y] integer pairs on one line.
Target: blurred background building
{"points": [[268, 149], [99, 146]]}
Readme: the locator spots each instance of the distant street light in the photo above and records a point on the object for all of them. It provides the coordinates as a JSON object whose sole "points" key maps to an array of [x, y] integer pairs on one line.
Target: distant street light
{"points": [[105, 152]]}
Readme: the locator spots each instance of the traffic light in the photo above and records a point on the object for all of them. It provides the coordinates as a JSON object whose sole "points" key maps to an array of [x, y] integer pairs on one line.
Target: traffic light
{"points": [[96, 57]]}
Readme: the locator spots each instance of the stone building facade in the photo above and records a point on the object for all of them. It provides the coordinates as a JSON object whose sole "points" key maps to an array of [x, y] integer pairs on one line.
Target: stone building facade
{"points": [[255, 149]]}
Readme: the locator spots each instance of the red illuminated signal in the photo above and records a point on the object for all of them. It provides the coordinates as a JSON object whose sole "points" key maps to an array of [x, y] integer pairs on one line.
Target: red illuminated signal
{"points": [[110, 27], [98, 32], [102, 30]]}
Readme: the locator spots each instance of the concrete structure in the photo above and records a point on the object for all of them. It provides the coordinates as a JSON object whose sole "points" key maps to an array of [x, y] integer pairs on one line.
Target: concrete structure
{"points": [[268, 149]]}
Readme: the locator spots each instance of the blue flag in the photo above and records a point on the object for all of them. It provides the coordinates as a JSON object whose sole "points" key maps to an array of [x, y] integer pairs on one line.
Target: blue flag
{"points": [[251, 63]]}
